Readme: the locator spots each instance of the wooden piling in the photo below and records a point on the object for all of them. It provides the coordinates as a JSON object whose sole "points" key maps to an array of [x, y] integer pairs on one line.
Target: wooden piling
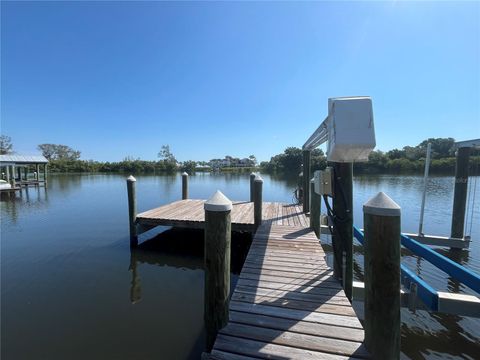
{"points": [[315, 206], [306, 181], [460, 192], [132, 210], [12, 179], [7, 171], [45, 174], [37, 170], [184, 186], [19, 174], [217, 264], [25, 172], [257, 200], [382, 277], [342, 208], [252, 179]]}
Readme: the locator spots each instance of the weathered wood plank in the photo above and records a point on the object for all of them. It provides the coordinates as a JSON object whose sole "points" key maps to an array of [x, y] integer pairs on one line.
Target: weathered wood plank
{"points": [[265, 350], [296, 340], [301, 326]]}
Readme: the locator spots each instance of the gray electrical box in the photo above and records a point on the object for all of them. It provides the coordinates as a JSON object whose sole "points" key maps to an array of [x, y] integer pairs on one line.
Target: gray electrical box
{"points": [[323, 181]]}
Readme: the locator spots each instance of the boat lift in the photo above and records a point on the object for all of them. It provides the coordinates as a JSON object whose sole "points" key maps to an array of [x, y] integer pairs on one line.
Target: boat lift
{"points": [[350, 136]]}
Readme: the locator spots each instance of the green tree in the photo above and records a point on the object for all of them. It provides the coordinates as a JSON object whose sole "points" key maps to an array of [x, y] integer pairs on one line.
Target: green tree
{"points": [[6, 145], [59, 152]]}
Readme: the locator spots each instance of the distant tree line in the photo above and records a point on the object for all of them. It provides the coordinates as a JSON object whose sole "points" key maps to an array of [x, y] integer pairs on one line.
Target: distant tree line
{"points": [[410, 159]]}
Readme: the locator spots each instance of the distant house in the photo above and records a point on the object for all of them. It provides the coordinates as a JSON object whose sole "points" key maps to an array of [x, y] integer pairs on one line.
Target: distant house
{"points": [[229, 161]]}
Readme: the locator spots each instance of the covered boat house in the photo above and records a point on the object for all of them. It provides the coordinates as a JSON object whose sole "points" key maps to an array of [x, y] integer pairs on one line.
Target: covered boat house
{"points": [[23, 170]]}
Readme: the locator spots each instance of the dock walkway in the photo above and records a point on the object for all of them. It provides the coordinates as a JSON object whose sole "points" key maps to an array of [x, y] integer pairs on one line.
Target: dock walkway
{"points": [[287, 304], [190, 214]]}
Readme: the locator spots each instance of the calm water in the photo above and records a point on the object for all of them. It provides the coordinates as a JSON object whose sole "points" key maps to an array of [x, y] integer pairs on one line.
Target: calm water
{"points": [[72, 289]]}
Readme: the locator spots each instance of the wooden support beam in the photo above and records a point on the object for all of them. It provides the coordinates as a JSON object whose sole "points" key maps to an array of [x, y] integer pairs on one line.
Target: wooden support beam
{"points": [[184, 186], [257, 201], [460, 192], [315, 209], [382, 277], [343, 210], [306, 181], [217, 264], [252, 179], [132, 210]]}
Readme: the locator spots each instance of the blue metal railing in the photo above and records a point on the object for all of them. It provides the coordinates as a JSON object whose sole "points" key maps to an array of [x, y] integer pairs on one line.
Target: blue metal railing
{"points": [[425, 292]]}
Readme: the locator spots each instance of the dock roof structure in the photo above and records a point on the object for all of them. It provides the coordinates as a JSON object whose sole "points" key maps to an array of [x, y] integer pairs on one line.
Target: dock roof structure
{"points": [[13, 159]]}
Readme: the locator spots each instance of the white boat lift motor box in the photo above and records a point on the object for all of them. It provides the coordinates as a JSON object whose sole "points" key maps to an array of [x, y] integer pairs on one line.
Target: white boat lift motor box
{"points": [[351, 132]]}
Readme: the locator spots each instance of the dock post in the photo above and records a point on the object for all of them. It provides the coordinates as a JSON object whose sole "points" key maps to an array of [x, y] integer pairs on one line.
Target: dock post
{"points": [[12, 179], [342, 207], [315, 209], [7, 171], [25, 172], [37, 170], [460, 192], [45, 174], [306, 181], [19, 174], [252, 179], [217, 264], [132, 210], [184, 186], [257, 201], [381, 220]]}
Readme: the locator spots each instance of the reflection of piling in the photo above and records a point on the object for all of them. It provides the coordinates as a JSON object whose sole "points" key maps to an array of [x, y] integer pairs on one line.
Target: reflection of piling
{"points": [[257, 201], [315, 204], [460, 192], [217, 264], [252, 179], [184, 186], [382, 277], [135, 287], [132, 210]]}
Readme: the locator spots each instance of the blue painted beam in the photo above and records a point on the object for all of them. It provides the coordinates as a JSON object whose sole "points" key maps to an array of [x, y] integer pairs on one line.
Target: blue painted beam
{"points": [[456, 271]]}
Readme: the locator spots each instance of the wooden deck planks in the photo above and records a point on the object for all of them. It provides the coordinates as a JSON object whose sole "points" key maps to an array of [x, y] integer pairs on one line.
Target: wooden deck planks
{"points": [[287, 304], [190, 213]]}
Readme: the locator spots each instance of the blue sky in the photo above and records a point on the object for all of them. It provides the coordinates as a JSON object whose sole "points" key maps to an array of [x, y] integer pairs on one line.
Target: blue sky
{"points": [[116, 79]]}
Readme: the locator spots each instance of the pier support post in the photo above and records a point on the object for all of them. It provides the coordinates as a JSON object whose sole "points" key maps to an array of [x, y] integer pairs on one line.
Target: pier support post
{"points": [[382, 277], [45, 174], [12, 180], [252, 179], [132, 210], [25, 172], [19, 174], [343, 237], [257, 201], [217, 264], [306, 181], [7, 171], [315, 209], [184, 186], [37, 171], [460, 192]]}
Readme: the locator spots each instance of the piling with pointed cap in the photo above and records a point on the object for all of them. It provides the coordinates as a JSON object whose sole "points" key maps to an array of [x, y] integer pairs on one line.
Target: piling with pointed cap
{"points": [[217, 264], [382, 277], [315, 204], [132, 210], [252, 179], [184, 186], [257, 200]]}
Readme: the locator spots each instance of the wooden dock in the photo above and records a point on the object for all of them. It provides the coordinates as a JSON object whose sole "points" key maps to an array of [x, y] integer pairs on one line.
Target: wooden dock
{"points": [[287, 304], [190, 214]]}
